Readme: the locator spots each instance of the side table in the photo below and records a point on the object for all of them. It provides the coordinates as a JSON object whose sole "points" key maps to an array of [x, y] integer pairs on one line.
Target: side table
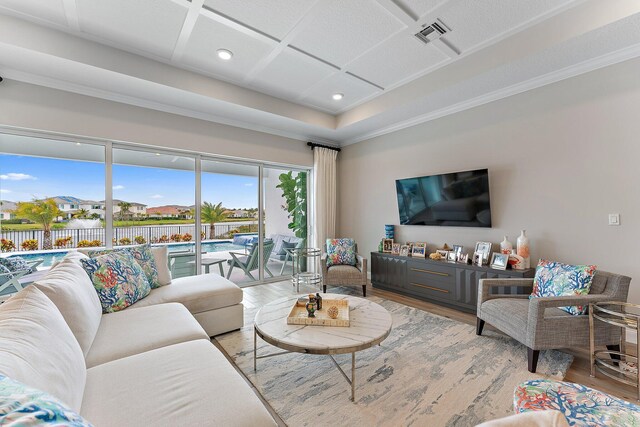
{"points": [[310, 275], [617, 365]]}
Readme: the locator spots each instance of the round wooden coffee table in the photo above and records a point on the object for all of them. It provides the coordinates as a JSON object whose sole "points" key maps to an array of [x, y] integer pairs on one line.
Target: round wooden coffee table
{"points": [[370, 324]]}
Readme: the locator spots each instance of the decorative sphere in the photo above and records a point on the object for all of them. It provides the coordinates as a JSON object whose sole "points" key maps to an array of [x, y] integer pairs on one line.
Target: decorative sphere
{"points": [[333, 312]]}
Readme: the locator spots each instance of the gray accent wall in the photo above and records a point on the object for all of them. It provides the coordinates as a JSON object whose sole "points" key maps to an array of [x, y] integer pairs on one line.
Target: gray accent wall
{"points": [[560, 159]]}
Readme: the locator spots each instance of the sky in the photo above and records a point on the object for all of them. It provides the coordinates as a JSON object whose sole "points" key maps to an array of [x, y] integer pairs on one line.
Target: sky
{"points": [[22, 178]]}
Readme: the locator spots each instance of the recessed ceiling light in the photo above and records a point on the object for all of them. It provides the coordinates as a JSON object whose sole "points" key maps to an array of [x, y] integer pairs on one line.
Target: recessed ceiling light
{"points": [[225, 54], [337, 96], [157, 154]]}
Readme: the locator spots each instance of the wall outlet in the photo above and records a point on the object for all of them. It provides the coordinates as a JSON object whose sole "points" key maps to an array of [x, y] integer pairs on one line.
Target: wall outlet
{"points": [[614, 219]]}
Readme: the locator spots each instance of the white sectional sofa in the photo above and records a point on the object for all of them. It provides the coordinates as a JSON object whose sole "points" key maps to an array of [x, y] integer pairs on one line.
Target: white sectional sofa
{"points": [[151, 364]]}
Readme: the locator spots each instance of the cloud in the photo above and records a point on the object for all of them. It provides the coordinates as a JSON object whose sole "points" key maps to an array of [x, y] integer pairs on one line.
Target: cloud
{"points": [[4, 191], [17, 177], [249, 184], [156, 196], [118, 187]]}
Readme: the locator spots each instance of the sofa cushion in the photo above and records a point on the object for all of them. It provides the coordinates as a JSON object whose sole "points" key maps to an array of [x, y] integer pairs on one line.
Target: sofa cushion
{"points": [[37, 347], [68, 286], [197, 293], [187, 384], [161, 255], [143, 256], [21, 405], [130, 332], [341, 252], [118, 279], [555, 279]]}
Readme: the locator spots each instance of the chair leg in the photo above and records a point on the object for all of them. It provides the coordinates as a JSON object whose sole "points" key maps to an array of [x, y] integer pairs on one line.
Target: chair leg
{"points": [[364, 291], [614, 347], [532, 357], [268, 271], [230, 270], [324, 289], [479, 326]]}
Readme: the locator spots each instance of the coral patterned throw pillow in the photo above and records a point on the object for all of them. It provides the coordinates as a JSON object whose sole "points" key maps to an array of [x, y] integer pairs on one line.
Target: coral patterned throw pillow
{"points": [[341, 252], [554, 279]]}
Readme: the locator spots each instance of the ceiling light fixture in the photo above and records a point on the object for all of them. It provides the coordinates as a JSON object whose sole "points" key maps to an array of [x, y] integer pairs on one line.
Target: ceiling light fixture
{"points": [[225, 54], [338, 96]]}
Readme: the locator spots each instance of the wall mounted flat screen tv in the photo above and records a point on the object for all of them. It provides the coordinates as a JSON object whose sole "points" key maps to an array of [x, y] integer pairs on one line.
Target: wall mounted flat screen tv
{"points": [[459, 199]]}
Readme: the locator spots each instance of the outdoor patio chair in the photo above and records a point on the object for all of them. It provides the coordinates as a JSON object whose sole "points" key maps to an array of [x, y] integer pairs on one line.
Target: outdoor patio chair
{"points": [[250, 262], [12, 278], [181, 264]]}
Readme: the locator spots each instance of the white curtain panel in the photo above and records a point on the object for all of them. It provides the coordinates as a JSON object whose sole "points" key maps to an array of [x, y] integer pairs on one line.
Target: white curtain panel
{"points": [[324, 191]]}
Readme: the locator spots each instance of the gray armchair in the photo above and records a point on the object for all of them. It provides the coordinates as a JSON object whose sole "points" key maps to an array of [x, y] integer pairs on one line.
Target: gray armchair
{"points": [[540, 324], [345, 275]]}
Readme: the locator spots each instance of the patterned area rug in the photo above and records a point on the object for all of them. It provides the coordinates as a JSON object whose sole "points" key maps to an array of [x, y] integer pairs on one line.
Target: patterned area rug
{"points": [[430, 371]]}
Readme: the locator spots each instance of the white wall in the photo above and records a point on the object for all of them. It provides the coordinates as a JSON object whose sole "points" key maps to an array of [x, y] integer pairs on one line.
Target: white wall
{"points": [[560, 158], [35, 107], [276, 219]]}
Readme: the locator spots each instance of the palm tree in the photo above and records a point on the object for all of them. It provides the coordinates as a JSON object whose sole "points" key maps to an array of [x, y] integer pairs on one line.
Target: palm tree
{"points": [[211, 214], [125, 210], [43, 212], [81, 214]]}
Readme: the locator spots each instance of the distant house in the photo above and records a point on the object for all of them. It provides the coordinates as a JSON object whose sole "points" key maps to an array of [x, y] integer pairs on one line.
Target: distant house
{"points": [[238, 213], [6, 210], [67, 204], [136, 209], [169, 211], [93, 208]]}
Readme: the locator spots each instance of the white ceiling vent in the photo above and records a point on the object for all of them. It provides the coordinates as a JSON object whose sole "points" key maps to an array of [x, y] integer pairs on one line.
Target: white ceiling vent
{"points": [[432, 32]]}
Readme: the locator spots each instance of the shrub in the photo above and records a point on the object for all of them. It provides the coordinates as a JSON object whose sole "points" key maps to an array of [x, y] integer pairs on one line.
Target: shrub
{"points": [[176, 237], [30, 245], [63, 242], [140, 240], [7, 245], [125, 241], [202, 235], [89, 243], [163, 239], [186, 237]]}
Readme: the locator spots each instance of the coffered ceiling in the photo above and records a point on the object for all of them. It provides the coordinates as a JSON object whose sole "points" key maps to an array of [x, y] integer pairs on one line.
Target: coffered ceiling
{"points": [[291, 56]]}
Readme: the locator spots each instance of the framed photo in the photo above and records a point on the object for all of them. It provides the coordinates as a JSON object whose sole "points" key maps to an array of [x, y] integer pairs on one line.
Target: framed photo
{"points": [[404, 250], [499, 261], [484, 248], [419, 250], [463, 257], [477, 259], [395, 249], [442, 253], [387, 245], [451, 256], [457, 249]]}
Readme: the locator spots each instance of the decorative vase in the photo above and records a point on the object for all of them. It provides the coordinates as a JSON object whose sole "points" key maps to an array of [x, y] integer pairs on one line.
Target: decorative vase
{"points": [[311, 309], [505, 246], [389, 231], [380, 247], [516, 261], [523, 248]]}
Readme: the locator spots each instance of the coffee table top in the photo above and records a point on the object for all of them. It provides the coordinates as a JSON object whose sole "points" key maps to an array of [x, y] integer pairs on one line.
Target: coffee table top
{"points": [[370, 324]]}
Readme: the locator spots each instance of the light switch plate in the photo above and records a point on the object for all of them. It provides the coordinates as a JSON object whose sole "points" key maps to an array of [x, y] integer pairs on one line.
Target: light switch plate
{"points": [[614, 219]]}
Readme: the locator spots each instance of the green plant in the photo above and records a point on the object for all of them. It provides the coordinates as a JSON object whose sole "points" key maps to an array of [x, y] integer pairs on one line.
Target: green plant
{"points": [[163, 239], [43, 212], [294, 192], [7, 245], [140, 240], [176, 237], [186, 237], [124, 241], [29, 245], [63, 242], [211, 214]]}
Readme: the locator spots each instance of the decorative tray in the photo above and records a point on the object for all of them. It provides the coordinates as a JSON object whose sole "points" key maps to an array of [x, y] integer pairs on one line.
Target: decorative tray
{"points": [[299, 315]]}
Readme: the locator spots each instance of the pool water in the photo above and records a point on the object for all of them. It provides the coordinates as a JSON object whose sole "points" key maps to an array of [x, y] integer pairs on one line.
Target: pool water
{"points": [[50, 258]]}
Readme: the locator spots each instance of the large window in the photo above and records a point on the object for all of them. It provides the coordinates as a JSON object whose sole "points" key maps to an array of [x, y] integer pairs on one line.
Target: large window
{"points": [[216, 216]]}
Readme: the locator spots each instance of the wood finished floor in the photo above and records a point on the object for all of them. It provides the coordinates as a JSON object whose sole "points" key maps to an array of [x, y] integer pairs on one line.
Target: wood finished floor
{"points": [[256, 296]]}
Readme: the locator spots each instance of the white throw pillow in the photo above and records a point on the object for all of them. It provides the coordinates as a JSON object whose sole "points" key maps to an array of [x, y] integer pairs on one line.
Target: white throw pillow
{"points": [[161, 255], [69, 287], [38, 349]]}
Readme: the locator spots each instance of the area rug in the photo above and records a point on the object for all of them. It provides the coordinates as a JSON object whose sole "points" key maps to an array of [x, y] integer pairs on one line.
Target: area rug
{"points": [[430, 371]]}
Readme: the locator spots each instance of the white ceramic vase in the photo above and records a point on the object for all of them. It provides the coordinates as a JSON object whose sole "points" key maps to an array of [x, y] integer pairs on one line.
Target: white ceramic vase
{"points": [[523, 248], [505, 246]]}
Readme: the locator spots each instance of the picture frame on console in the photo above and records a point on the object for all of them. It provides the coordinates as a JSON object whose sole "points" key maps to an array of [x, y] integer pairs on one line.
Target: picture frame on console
{"points": [[419, 250], [462, 257], [483, 248], [499, 261], [395, 249], [404, 250], [387, 245], [478, 259], [442, 253], [452, 256]]}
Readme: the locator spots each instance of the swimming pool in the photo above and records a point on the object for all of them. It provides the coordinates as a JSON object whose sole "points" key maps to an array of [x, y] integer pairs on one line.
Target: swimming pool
{"points": [[50, 258]]}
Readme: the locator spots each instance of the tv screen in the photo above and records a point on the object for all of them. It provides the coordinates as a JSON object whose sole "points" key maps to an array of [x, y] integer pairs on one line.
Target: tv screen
{"points": [[459, 199]]}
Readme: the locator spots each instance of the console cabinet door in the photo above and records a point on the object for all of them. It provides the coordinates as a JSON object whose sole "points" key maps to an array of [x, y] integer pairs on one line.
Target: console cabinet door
{"points": [[388, 271]]}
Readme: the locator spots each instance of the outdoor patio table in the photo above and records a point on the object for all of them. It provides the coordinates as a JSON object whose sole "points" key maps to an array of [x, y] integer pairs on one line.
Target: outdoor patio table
{"points": [[208, 262]]}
